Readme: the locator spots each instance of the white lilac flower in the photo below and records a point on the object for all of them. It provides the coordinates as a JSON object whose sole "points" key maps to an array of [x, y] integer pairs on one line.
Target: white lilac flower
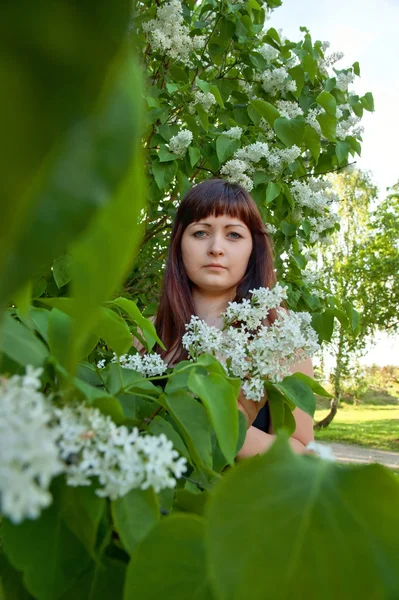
{"points": [[253, 152], [344, 79], [288, 109], [276, 158], [234, 132], [277, 80], [292, 62], [169, 34], [269, 132], [247, 88], [236, 172], [28, 449], [322, 450], [279, 157], [332, 58], [268, 52], [315, 194], [179, 143], [249, 348], [148, 365], [205, 99], [254, 389], [270, 228], [200, 337], [92, 446], [349, 126], [311, 118]]}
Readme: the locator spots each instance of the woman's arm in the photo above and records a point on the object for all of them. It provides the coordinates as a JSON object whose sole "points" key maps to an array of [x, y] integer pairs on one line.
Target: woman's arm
{"points": [[257, 441]]}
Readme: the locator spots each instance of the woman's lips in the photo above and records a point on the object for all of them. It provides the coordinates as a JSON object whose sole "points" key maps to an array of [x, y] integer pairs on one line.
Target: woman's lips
{"points": [[214, 266]]}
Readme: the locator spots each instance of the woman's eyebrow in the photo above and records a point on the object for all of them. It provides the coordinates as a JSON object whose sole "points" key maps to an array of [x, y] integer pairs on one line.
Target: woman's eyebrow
{"points": [[229, 225]]}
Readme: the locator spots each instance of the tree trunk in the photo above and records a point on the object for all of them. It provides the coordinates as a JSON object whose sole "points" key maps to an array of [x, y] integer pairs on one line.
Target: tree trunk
{"points": [[337, 386]]}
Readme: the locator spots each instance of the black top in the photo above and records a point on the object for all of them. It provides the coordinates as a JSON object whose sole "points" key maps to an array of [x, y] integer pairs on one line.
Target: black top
{"points": [[262, 420]]}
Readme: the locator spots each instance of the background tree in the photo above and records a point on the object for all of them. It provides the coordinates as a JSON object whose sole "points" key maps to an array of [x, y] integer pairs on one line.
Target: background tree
{"points": [[359, 268]]}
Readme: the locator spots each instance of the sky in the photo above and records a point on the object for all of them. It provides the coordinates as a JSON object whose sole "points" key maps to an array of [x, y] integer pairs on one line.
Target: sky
{"points": [[365, 31]]}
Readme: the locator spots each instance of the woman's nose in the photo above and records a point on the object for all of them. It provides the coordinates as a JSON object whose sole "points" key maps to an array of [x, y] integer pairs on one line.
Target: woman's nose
{"points": [[216, 247]]}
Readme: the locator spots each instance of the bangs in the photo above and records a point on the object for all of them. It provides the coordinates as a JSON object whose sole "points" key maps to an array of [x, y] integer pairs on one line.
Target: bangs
{"points": [[216, 197]]}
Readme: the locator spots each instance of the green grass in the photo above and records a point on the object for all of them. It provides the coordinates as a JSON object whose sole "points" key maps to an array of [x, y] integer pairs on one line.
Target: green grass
{"points": [[375, 426]]}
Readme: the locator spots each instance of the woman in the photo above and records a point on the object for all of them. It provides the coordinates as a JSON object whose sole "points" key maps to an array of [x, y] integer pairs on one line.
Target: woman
{"points": [[219, 251]]}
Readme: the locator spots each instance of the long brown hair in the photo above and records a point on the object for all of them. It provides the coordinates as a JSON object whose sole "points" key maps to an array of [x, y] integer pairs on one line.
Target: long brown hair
{"points": [[214, 197]]}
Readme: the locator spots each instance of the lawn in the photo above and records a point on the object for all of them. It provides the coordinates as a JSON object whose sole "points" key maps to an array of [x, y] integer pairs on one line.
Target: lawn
{"points": [[373, 426]]}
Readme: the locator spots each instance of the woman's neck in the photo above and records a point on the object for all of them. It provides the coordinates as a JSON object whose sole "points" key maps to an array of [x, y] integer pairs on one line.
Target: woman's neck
{"points": [[210, 306]]}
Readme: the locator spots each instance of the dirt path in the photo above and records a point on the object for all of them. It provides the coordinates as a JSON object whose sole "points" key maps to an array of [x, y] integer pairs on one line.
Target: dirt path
{"points": [[350, 453]]}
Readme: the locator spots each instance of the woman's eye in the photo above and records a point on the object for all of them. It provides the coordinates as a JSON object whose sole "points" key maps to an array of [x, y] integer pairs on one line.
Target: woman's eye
{"points": [[235, 235], [198, 234]]}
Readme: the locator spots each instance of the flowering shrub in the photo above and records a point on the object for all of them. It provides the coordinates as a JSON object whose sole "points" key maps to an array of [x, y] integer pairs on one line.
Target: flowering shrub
{"points": [[228, 96]]}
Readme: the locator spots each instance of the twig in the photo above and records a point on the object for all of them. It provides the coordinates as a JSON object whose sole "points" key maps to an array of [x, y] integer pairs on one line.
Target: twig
{"points": [[325, 172]]}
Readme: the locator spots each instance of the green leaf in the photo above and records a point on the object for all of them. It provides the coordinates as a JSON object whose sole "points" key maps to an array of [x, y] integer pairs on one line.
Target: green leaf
{"points": [[134, 515], [175, 549], [312, 141], [59, 334], [323, 324], [192, 502], [158, 425], [105, 254], [275, 401], [368, 101], [215, 91], [159, 170], [11, 586], [165, 155], [358, 109], [40, 318], [220, 400], [330, 84], [146, 325], [203, 116], [289, 229], [298, 75], [192, 421], [354, 144], [109, 326], [313, 384], [225, 147], [353, 315], [20, 344], [328, 102], [273, 190], [194, 154], [307, 501], [290, 131], [49, 554], [342, 150], [328, 126], [299, 393], [103, 580], [266, 110], [356, 68], [62, 270], [35, 119], [310, 66], [82, 513]]}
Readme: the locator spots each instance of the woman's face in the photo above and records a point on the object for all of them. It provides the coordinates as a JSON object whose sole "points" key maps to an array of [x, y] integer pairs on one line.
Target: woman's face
{"points": [[216, 252]]}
